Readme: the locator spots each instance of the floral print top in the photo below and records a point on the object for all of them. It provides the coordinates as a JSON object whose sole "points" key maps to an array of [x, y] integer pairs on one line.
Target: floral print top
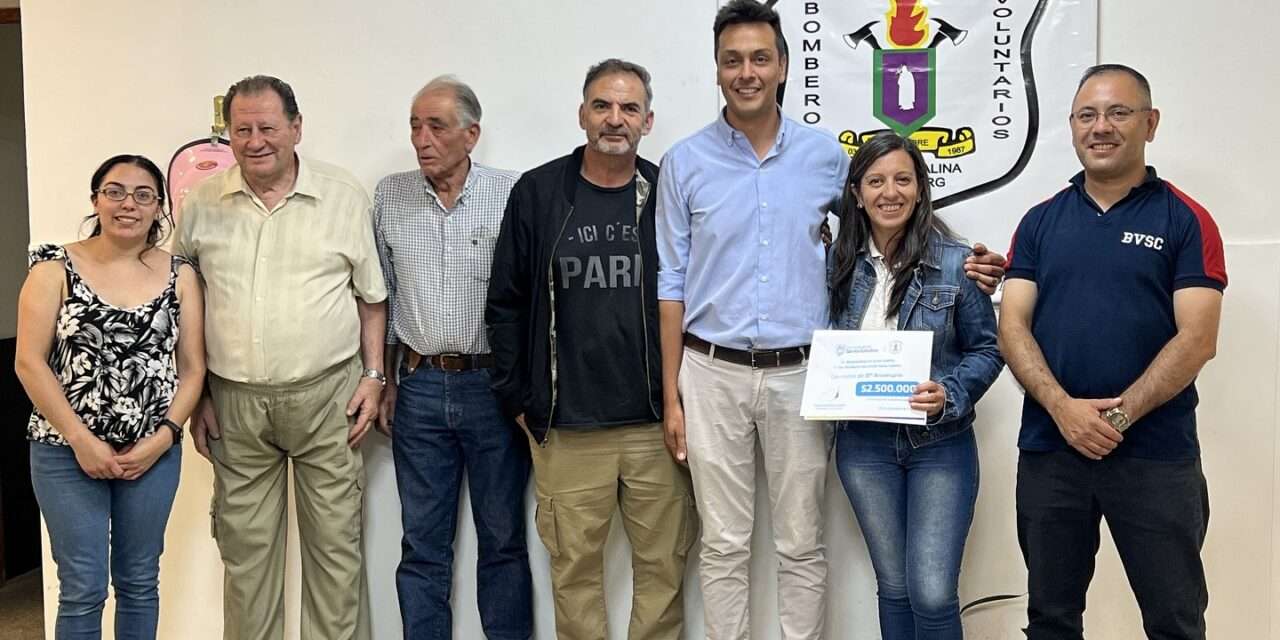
{"points": [[116, 365]]}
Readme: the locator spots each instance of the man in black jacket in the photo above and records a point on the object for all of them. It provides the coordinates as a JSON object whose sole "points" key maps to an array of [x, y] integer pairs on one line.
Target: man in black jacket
{"points": [[573, 325]]}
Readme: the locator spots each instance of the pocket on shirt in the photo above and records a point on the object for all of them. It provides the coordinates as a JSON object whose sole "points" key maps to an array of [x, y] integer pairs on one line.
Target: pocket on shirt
{"points": [[480, 257]]}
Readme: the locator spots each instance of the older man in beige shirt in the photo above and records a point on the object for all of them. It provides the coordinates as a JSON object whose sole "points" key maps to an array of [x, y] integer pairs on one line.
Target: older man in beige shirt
{"points": [[294, 308]]}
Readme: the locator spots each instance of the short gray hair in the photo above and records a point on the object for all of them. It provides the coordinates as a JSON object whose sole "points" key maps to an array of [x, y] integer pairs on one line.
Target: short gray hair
{"points": [[466, 104], [615, 65]]}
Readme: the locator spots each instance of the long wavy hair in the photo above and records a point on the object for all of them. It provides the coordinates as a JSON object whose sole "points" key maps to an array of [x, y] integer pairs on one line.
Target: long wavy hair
{"points": [[905, 250], [161, 226]]}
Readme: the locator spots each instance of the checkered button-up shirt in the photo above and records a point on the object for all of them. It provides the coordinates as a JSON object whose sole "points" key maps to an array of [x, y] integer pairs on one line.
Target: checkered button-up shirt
{"points": [[436, 261]]}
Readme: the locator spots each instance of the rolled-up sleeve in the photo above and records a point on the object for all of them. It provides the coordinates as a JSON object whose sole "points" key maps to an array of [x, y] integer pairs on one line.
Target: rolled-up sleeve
{"points": [[673, 229]]}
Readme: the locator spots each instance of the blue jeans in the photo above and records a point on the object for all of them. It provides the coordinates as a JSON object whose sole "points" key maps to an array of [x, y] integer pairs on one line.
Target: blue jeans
{"points": [[104, 527], [914, 507], [445, 422]]}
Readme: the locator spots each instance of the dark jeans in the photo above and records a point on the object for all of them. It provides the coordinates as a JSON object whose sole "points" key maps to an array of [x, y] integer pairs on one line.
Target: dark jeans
{"points": [[1157, 512], [445, 423], [914, 507], [104, 527]]}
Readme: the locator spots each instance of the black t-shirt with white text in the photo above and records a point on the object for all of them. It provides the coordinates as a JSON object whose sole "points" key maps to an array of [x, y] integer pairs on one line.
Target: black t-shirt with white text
{"points": [[600, 333]]}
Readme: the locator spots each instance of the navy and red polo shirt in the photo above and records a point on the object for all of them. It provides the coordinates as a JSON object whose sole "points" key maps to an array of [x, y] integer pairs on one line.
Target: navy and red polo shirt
{"points": [[1104, 303]]}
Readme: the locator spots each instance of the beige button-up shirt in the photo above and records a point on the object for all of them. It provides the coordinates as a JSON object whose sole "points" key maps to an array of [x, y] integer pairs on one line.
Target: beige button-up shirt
{"points": [[281, 283]]}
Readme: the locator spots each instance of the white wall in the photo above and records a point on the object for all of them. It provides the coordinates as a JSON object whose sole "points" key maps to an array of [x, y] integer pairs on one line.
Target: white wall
{"points": [[103, 78], [1212, 72]]}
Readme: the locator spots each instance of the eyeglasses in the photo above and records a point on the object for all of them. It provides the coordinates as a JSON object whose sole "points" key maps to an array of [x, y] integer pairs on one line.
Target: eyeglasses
{"points": [[1114, 115], [142, 195]]}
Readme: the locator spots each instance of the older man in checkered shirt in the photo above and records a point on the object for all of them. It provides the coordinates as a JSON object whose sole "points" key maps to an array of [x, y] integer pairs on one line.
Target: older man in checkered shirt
{"points": [[435, 228]]}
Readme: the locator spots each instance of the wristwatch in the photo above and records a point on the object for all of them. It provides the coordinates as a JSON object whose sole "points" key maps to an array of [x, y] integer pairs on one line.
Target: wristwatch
{"points": [[375, 374], [175, 428], [1117, 418]]}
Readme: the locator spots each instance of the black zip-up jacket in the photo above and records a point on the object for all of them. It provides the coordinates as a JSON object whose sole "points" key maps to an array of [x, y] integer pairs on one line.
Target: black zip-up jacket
{"points": [[520, 313]]}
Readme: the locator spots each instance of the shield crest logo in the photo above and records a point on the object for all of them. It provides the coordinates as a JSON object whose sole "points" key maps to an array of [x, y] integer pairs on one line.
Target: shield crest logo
{"points": [[957, 77], [904, 89]]}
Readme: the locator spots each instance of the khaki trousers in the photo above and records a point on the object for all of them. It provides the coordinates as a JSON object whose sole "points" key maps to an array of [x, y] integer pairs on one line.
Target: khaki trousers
{"points": [[582, 478], [263, 429], [727, 409]]}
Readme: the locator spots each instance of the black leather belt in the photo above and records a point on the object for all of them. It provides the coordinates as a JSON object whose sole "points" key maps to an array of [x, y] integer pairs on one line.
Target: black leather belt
{"points": [[756, 359], [447, 361]]}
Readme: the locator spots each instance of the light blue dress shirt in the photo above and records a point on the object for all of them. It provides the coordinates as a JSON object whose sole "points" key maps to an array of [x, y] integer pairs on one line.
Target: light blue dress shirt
{"points": [[739, 237]]}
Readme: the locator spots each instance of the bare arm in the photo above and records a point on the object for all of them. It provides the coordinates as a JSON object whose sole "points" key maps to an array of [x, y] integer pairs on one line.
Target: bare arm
{"points": [[387, 406], [204, 420], [1079, 420], [373, 331], [39, 304], [387, 412], [1196, 312], [190, 353], [364, 402], [1019, 347], [671, 327]]}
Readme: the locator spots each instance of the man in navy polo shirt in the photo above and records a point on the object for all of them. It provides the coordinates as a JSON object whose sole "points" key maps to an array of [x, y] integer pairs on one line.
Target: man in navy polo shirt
{"points": [[1111, 309]]}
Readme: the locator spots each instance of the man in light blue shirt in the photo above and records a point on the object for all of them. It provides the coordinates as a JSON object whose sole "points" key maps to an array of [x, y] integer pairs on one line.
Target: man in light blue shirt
{"points": [[741, 289], [740, 236]]}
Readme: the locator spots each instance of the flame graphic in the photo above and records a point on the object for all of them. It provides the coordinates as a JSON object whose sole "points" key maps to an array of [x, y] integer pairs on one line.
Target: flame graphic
{"points": [[908, 23]]}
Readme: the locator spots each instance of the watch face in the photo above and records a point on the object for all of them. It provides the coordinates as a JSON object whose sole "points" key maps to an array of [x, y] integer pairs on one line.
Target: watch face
{"points": [[1117, 418]]}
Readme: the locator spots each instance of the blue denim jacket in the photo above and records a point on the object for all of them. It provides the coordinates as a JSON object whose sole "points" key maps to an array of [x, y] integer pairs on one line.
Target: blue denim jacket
{"points": [[966, 360]]}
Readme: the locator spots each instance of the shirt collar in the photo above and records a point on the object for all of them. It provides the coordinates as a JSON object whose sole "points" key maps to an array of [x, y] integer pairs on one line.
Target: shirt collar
{"points": [[727, 133], [304, 184], [466, 184], [872, 251], [1148, 180]]}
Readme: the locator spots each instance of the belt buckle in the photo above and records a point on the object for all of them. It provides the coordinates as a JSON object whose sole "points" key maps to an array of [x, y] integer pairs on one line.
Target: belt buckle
{"points": [[456, 357], [777, 358]]}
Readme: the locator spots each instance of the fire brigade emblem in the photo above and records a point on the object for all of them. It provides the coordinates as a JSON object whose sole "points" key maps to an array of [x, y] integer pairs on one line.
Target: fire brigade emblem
{"points": [[956, 77]]}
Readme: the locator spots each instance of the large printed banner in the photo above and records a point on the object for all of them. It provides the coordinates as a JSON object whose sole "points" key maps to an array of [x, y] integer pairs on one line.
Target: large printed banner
{"points": [[965, 79]]}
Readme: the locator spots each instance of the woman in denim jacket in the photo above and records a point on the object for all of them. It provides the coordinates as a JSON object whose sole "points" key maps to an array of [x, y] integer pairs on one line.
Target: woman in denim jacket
{"points": [[896, 266]]}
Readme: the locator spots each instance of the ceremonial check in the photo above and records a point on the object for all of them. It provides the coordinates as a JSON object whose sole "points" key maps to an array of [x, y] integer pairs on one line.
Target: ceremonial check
{"points": [[866, 375]]}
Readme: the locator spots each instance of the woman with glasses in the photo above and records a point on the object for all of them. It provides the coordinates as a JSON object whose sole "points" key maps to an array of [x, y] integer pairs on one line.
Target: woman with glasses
{"points": [[896, 266], [111, 352]]}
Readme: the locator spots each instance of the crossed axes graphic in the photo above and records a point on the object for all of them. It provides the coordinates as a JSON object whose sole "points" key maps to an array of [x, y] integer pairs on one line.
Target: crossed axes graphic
{"points": [[946, 31]]}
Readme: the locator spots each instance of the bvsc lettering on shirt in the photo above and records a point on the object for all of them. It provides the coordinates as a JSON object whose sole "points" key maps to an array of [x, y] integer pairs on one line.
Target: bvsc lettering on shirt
{"points": [[1143, 240]]}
